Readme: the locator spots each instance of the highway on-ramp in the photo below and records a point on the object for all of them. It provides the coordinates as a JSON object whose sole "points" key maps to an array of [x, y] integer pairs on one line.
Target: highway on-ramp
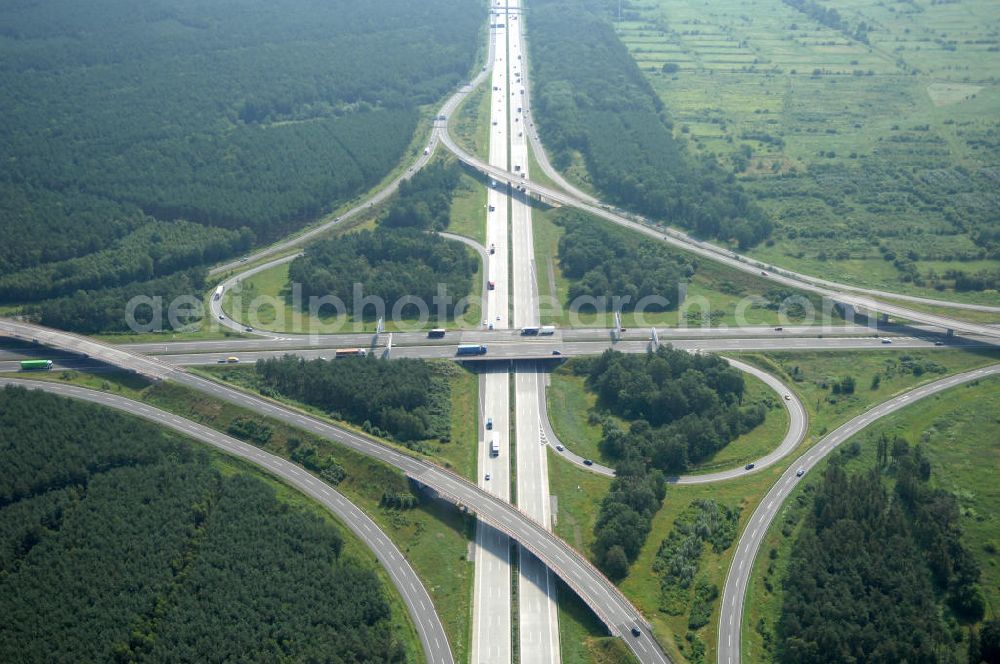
{"points": [[601, 595], [418, 601], [838, 293], [798, 423], [734, 593]]}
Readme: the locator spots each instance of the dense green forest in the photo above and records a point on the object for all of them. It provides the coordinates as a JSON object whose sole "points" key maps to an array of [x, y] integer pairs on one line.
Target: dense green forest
{"points": [[693, 404], [104, 309], [390, 263], [120, 541], [400, 258], [157, 248], [409, 400], [424, 200], [683, 409], [246, 119], [592, 98], [879, 569], [607, 264]]}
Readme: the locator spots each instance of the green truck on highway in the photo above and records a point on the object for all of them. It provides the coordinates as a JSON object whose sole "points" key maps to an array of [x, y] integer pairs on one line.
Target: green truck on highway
{"points": [[36, 365]]}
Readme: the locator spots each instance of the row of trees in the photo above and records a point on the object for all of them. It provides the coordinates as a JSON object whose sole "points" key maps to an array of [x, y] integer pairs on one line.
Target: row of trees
{"points": [[683, 408], [831, 18], [400, 259], [105, 309], [121, 542], [593, 99], [409, 400], [155, 249], [606, 264], [424, 201], [872, 567], [626, 514]]}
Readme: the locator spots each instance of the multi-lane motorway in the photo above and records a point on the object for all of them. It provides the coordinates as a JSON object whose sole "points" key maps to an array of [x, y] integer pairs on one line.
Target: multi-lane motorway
{"points": [[532, 348], [538, 611], [734, 593], [510, 217], [838, 293], [602, 596], [409, 585], [492, 597]]}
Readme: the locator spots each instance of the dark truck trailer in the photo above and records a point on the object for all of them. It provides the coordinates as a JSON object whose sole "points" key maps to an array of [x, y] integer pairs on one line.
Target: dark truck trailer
{"points": [[471, 349]]}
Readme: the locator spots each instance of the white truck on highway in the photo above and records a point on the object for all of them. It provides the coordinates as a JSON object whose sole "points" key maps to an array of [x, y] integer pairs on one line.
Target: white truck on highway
{"points": [[494, 448]]}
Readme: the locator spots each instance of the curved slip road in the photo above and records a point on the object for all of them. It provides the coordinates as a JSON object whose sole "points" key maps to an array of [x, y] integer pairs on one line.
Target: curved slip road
{"points": [[446, 109], [220, 317], [602, 596], [838, 293], [798, 423], [734, 593], [541, 156], [418, 602]]}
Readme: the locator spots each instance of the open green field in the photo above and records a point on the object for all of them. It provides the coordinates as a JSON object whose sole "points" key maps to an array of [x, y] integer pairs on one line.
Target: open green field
{"points": [[579, 493], [716, 295], [207, 332], [960, 433], [434, 536], [570, 405], [468, 209], [878, 161], [470, 125]]}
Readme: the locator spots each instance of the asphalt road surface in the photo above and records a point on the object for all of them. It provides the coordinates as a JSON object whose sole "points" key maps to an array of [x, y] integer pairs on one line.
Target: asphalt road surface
{"points": [[602, 596], [511, 349], [839, 293], [734, 593], [278, 341], [798, 422], [538, 609], [418, 601], [492, 600]]}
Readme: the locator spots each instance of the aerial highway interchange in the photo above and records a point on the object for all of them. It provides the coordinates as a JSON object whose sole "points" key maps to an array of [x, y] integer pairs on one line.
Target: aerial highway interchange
{"points": [[511, 302]]}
